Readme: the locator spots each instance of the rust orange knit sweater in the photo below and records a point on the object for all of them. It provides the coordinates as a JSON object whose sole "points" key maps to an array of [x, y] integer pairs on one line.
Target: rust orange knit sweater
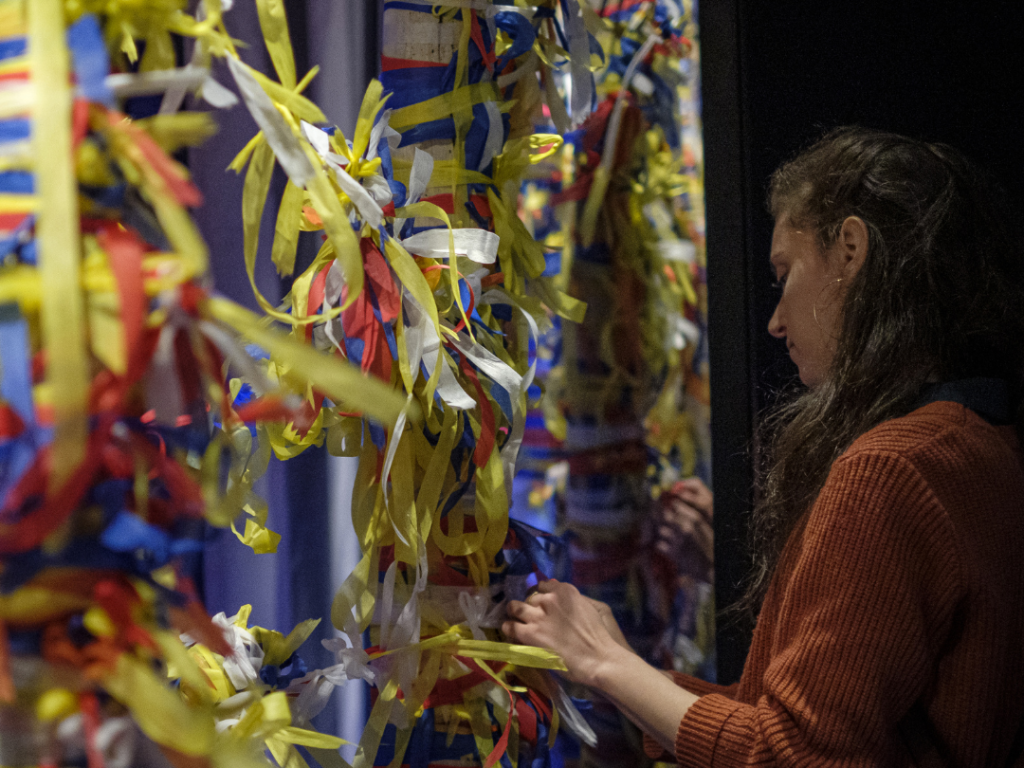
{"points": [[893, 632]]}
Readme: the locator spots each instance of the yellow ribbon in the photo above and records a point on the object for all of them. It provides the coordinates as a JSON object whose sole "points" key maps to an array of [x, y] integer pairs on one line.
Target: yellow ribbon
{"points": [[158, 710], [63, 312], [337, 379], [274, 25], [444, 105]]}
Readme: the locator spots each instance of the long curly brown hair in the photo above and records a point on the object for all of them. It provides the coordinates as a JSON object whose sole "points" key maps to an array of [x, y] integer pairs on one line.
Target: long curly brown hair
{"points": [[940, 296]]}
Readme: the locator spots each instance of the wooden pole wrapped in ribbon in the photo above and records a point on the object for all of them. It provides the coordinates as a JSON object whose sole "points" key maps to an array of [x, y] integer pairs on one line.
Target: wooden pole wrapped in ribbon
{"points": [[446, 311]]}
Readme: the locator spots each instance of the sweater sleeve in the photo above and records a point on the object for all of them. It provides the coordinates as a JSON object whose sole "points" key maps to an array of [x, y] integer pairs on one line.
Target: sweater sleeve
{"points": [[695, 686], [871, 595]]}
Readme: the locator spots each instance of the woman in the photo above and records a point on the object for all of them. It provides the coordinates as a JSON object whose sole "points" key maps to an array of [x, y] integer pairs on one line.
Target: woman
{"points": [[890, 525]]}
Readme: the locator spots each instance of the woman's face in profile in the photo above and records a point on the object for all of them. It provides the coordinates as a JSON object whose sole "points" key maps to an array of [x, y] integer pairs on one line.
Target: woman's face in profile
{"points": [[811, 296]]}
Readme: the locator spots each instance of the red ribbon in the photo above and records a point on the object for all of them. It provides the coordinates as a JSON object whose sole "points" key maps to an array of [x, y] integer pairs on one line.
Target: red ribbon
{"points": [[11, 424], [172, 174], [90, 707], [31, 530], [485, 443]]}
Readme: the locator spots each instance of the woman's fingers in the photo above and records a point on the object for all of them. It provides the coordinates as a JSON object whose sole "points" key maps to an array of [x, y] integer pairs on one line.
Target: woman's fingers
{"points": [[610, 624], [558, 617], [693, 491], [523, 611], [512, 631], [548, 586], [679, 512], [522, 618], [682, 529]]}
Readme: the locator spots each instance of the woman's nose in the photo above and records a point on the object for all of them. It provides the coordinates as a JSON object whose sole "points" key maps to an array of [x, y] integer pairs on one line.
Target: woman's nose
{"points": [[775, 326]]}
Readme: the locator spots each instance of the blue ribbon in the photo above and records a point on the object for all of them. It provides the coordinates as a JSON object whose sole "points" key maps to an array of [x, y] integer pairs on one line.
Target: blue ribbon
{"points": [[91, 62]]}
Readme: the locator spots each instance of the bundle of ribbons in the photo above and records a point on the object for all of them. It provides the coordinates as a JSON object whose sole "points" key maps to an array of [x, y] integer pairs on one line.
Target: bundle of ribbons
{"points": [[626, 413], [428, 281], [132, 411]]}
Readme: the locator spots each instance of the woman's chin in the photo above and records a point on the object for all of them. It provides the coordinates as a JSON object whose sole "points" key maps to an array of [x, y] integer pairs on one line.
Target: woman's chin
{"points": [[809, 378]]}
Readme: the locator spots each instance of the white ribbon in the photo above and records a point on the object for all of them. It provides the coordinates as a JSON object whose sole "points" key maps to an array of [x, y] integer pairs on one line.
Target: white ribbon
{"points": [[309, 695], [424, 345], [332, 288], [415, 333], [494, 368], [419, 179], [128, 85], [216, 95], [529, 67], [479, 245], [404, 631], [236, 356], [243, 665], [480, 611], [501, 297], [510, 451], [681, 331], [380, 130], [677, 250], [579, 55], [407, 628], [352, 661], [448, 387], [572, 719], [378, 188], [368, 208], [319, 140], [396, 436], [419, 175], [446, 602], [365, 203], [387, 588], [118, 739], [495, 135], [276, 131]]}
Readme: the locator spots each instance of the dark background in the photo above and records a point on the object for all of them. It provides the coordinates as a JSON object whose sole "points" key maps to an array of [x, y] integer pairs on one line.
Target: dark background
{"points": [[776, 76]]}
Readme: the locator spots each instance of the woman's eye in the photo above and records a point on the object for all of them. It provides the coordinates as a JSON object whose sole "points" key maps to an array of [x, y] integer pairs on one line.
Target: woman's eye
{"points": [[780, 282]]}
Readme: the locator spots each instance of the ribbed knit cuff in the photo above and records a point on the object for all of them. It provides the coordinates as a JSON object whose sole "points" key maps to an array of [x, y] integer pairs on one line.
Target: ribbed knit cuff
{"points": [[696, 686], [709, 734]]}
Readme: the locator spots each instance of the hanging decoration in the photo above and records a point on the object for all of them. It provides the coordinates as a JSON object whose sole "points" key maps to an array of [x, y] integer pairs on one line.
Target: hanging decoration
{"points": [[626, 414], [132, 413], [428, 280]]}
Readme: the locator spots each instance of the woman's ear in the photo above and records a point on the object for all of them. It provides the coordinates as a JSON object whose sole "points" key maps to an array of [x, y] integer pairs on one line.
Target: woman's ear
{"points": [[852, 245]]}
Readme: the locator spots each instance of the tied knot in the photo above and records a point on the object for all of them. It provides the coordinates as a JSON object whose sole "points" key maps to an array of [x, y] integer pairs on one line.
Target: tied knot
{"points": [[480, 612], [352, 661]]}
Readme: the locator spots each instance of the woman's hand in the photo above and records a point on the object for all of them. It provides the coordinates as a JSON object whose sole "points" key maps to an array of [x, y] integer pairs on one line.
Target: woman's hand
{"points": [[683, 531], [580, 630], [608, 619], [583, 632]]}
